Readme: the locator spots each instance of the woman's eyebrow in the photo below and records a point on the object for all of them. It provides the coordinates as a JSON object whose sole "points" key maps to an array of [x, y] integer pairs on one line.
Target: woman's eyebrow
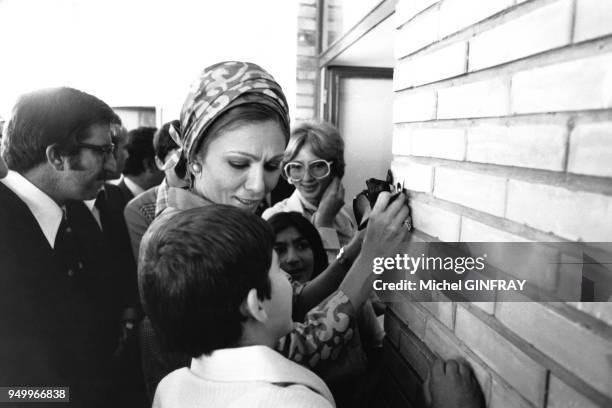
{"points": [[250, 155], [254, 156]]}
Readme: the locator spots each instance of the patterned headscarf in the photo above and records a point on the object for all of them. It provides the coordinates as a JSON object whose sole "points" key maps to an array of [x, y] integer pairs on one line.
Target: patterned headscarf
{"points": [[221, 87]]}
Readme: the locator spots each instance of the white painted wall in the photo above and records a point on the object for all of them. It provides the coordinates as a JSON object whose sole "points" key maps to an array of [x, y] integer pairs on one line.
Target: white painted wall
{"points": [[139, 52]]}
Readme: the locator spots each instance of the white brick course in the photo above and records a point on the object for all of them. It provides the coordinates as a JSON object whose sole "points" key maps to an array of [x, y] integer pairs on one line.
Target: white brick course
{"points": [[478, 99], [518, 369], [442, 143], [481, 192], [591, 150], [474, 231], [592, 19], [406, 9], [533, 146], [575, 85], [561, 395], [458, 14], [571, 345], [410, 106], [543, 29], [575, 215], [436, 222], [422, 31], [434, 66]]}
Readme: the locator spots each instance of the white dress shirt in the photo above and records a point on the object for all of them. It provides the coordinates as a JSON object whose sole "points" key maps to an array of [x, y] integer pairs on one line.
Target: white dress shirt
{"points": [[46, 211], [91, 205], [254, 376]]}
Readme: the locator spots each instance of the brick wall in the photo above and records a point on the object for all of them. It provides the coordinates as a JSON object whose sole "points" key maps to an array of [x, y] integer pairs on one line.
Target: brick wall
{"points": [[503, 132], [307, 72]]}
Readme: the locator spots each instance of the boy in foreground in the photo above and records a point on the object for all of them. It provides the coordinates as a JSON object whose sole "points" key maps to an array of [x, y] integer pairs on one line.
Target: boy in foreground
{"points": [[212, 287]]}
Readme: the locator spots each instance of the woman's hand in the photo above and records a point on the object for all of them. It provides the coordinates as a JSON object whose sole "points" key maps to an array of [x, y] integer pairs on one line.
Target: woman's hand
{"points": [[331, 203], [386, 226], [383, 237]]}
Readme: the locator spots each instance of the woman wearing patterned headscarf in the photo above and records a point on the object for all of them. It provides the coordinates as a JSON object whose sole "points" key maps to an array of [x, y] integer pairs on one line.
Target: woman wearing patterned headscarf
{"points": [[234, 130]]}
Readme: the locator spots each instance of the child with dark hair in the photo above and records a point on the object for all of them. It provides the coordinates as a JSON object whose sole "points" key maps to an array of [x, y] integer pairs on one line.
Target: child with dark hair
{"points": [[212, 287], [298, 245]]}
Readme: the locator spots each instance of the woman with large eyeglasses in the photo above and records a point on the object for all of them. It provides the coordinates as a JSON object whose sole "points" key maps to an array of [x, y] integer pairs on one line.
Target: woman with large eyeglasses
{"points": [[314, 163]]}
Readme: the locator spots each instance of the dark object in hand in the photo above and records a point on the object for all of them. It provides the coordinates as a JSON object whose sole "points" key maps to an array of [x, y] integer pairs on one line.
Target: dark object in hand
{"points": [[364, 201]]}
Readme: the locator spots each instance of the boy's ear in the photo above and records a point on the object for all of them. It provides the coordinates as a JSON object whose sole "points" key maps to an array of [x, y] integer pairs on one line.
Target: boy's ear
{"points": [[159, 164], [54, 157], [252, 307]]}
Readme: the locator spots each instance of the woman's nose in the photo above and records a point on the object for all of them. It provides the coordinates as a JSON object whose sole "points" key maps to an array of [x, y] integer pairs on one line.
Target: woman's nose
{"points": [[255, 180], [307, 176], [291, 255]]}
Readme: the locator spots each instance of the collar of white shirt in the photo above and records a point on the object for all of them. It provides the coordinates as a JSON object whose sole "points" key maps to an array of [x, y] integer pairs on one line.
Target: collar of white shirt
{"points": [[46, 211], [133, 187], [91, 205], [256, 363]]}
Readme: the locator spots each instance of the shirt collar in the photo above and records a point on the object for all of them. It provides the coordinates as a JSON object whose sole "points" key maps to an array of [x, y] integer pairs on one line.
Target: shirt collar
{"points": [[301, 204], [256, 363], [134, 188], [91, 204], [46, 211]]}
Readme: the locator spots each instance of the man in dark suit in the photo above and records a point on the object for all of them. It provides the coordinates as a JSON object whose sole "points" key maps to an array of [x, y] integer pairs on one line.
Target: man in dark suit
{"points": [[140, 172], [99, 225], [59, 324]]}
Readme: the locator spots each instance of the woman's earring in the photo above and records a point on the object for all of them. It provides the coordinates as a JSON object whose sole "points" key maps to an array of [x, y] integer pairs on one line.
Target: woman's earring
{"points": [[196, 168]]}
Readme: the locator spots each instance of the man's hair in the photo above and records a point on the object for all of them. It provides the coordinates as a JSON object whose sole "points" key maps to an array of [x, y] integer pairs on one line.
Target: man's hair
{"points": [[324, 140], [140, 149], [164, 144], [195, 269], [60, 116]]}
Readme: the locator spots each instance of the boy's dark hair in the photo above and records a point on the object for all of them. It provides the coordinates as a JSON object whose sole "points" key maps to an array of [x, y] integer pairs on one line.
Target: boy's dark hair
{"points": [[140, 149], [49, 116], [195, 269]]}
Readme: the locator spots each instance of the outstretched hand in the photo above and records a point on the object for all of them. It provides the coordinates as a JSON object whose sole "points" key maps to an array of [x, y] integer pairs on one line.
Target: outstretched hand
{"points": [[386, 226], [451, 384], [383, 236]]}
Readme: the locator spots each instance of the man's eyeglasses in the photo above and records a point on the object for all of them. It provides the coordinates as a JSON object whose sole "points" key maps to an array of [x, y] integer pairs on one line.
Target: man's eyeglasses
{"points": [[318, 169], [103, 150]]}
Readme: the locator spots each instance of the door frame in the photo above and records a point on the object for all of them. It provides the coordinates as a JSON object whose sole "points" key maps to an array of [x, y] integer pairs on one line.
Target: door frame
{"points": [[330, 97]]}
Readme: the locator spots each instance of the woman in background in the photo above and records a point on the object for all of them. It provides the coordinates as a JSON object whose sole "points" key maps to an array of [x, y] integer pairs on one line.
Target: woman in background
{"points": [[314, 163]]}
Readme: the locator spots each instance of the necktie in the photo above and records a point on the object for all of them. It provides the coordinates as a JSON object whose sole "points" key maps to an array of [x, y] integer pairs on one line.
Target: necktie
{"points": [[66, 247], [101, 205]]}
